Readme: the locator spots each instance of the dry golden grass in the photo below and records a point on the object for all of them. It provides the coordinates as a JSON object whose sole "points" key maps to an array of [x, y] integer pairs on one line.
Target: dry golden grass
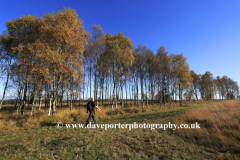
{"points": [[12, 121], [220, 126], [65, 115], [27, 137]]}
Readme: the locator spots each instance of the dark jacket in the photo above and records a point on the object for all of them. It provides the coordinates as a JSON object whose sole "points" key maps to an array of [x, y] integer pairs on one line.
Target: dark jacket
{"points": [[91, 106]]}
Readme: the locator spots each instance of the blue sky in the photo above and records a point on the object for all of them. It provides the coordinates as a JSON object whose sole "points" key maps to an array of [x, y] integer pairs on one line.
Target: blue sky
{"points": [[206, 32]]}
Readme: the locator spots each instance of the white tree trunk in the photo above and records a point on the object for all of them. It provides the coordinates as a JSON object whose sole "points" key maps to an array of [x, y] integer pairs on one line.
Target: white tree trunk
{"points": [[49, 112], [54, 106], [40, 104], [5, 85], [71, 104]]}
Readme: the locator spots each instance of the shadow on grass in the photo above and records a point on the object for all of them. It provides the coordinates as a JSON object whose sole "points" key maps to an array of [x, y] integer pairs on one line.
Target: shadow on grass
{"points": [[47, 124]]}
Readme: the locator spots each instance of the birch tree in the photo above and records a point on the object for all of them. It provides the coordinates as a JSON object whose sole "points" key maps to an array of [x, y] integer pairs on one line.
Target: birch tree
{"points": [[164, 68], [120, 57], [207, 82], [95, 48], [7, 43], [63, 41], [182, 72]]}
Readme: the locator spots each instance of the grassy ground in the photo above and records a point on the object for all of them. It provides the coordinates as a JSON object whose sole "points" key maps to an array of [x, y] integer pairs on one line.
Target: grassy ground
{"points": [[37, 137]]}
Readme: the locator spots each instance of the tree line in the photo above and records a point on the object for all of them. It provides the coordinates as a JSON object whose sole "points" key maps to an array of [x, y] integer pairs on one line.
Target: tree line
{"points": [[52, 57]]}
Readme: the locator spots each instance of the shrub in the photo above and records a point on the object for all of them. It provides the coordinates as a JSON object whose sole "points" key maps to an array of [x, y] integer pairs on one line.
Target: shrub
{"points": [[4, 103]]}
